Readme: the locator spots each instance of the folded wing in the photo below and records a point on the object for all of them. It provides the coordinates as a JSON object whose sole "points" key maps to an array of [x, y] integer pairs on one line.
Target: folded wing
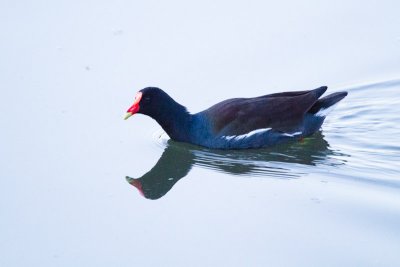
{"points": [[281, 112]]}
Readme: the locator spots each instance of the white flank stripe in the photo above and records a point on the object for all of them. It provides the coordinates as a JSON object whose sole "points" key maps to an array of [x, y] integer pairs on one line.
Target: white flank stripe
{"points": [[242, 136], [292, 134]]}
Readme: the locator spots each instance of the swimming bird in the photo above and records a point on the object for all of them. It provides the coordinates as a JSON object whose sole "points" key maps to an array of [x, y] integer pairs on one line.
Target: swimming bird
{"points": [[239, 123]]}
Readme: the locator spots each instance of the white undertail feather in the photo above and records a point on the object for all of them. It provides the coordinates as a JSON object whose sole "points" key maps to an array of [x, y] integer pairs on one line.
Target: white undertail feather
{"points": [[323, 112]]}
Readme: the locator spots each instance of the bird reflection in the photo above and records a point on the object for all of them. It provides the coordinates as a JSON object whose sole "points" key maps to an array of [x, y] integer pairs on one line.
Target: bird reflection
{"points": [[178, 159]]}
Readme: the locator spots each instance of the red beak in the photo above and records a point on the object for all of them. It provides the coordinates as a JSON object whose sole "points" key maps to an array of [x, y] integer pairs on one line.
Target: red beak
{"points": [[135, 107]]}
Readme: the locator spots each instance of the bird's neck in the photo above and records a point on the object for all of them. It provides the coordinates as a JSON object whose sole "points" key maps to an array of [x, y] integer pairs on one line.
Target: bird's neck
{"points": [[176, 122]]}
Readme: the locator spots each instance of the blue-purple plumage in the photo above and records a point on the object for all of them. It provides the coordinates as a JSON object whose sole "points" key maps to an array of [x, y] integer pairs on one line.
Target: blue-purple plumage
{"points": [[241, 122]]}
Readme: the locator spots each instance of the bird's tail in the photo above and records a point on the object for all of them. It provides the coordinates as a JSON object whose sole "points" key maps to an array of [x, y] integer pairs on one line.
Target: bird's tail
{"points": [[321, 107]]}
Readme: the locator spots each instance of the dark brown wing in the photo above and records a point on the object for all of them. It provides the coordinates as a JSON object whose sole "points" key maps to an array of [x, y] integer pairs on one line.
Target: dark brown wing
{"points": [[281, 112]]}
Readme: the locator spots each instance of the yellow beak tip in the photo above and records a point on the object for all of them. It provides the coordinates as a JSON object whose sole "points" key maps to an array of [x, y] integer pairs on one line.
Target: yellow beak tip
{"points": [[127, 115]]}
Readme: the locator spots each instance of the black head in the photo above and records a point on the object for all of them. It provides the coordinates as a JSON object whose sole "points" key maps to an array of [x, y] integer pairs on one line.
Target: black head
{"points": [[152, 101]]}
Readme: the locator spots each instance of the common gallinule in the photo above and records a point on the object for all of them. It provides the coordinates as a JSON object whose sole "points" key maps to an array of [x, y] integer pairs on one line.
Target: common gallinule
{"points": [[239, 123]]}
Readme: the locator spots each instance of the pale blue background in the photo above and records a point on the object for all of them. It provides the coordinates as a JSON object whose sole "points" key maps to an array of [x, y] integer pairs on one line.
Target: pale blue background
{"points": [[70, 69]]}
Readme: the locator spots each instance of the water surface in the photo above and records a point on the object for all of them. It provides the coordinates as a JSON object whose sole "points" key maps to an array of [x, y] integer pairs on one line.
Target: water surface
{"points": [[370, 154], [69, 70]]}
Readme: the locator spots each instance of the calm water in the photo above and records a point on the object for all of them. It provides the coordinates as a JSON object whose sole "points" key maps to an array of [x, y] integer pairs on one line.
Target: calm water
{"points": [[82, 187], [369, 155]]}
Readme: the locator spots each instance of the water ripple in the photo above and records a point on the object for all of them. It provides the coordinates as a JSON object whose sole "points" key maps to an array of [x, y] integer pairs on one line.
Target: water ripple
{"points": [[358, 141]]}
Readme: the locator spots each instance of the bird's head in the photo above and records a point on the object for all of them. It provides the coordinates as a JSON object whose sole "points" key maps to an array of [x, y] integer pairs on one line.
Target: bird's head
{"points": [[148, 101]]}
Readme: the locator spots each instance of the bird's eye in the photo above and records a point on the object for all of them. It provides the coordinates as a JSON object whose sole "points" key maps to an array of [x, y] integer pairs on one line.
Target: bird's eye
{"points": [[147, 98]]}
